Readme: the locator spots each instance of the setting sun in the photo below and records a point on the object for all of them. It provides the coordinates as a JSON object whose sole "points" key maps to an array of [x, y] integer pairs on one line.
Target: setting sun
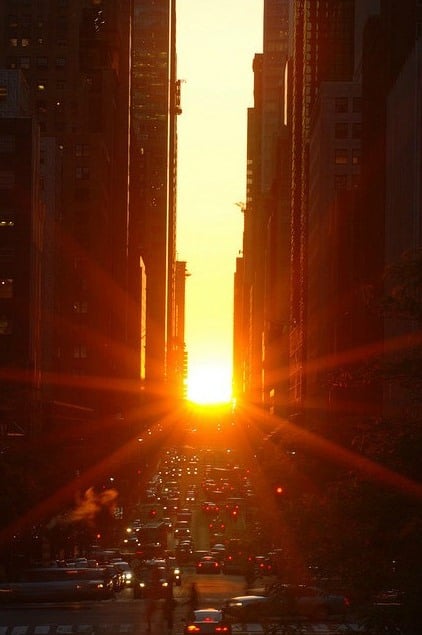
{"points": [[210, 384]]}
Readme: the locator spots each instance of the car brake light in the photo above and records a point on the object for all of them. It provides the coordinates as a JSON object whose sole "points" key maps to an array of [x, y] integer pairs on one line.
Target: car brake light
{"points": [[222, 629]]}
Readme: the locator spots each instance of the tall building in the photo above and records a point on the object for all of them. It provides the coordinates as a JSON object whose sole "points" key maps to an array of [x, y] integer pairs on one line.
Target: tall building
{"points": [[265, 221], [155, 96], [328, 136], [322, 50], [22, 217], [74, 55], [103, 89], [177, 353]]}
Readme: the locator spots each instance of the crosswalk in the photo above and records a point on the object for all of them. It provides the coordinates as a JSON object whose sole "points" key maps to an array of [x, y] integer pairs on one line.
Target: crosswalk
{"points": [[159, 629]]}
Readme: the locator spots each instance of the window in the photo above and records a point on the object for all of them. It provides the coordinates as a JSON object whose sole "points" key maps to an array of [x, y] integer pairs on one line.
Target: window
{"points": [[7, 180], [3, 92], [341, 157], [25, 62], [60, 62], [80, 307], [82, 172], [81, 150], [6, 288], [80, 352], [82, 194], [13, 41], [12, 62], [7, 221], [42, 62], [42, 107], [41, 85], [340, 181], [356, 156], [356, 130], [25, 42], [7, 143], [355, 180], [6, 326], [357, 104], [341, 130], [341, 104], [12, 21]]}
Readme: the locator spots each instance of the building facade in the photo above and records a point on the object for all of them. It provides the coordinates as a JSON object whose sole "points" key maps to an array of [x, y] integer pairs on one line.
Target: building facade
{"points": [[101, 77]]}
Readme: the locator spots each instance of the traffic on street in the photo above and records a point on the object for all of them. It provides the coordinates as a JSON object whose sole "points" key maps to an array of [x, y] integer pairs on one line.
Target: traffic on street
{"points": [[196, 553]]}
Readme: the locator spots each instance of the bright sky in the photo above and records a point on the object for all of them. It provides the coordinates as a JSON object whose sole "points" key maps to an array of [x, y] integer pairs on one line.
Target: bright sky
{"points": [[216, 44]]}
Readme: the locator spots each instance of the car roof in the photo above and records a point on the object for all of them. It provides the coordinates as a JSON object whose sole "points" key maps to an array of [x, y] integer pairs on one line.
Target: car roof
{"points": [[207, 615], [247, 598]]}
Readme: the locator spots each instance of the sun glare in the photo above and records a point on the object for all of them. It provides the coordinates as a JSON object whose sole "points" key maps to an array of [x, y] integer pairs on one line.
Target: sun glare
{"points": [[210, 384]]}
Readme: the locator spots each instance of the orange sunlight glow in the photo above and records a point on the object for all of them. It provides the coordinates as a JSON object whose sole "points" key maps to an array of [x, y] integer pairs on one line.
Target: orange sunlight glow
{"points": [[210, 383]]}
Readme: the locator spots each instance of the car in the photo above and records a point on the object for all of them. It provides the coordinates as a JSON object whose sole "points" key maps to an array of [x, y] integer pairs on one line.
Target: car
{"points": [[217, 525], [286, 600], [250, 608], [207, 621], [263, 565], [116, 575], [151, 581], [182, 533], [54, 584], [209, 507], [235, 564], [208, 564], [183, 552], [218, 549], [309, 601], [184, 515], [126, 570]]}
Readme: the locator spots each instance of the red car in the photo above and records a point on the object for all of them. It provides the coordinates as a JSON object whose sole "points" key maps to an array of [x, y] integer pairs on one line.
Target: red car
{"points": [[208, 564]]}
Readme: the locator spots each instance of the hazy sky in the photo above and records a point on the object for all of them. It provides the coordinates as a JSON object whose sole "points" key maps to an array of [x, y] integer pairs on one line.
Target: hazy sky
{"points": [[216, 43]]}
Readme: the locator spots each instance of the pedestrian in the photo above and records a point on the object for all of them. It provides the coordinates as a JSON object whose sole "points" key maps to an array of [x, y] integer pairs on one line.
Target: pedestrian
{"points": [[168, 612], [193, 600], [151, 605]]}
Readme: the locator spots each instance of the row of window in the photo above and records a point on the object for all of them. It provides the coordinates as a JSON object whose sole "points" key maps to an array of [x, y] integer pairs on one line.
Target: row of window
{"points": [[346, 130], [26, 62], [24, 42], [40, 62], [345, 181], [344, 156], [347, 104]]}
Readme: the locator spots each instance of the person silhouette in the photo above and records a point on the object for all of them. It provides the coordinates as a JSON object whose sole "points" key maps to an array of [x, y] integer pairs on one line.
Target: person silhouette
{"points": [[193, 600]]}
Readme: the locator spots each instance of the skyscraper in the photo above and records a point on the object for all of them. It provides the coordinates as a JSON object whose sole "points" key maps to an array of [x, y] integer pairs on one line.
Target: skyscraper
{"points": [[74, 56], [152, 220]]}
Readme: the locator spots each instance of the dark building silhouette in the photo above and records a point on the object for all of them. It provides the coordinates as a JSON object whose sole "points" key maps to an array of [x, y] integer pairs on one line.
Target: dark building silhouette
{"points": [[102, 91], [178, 355], [332, 200], [155, 95], [21, 252]]}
